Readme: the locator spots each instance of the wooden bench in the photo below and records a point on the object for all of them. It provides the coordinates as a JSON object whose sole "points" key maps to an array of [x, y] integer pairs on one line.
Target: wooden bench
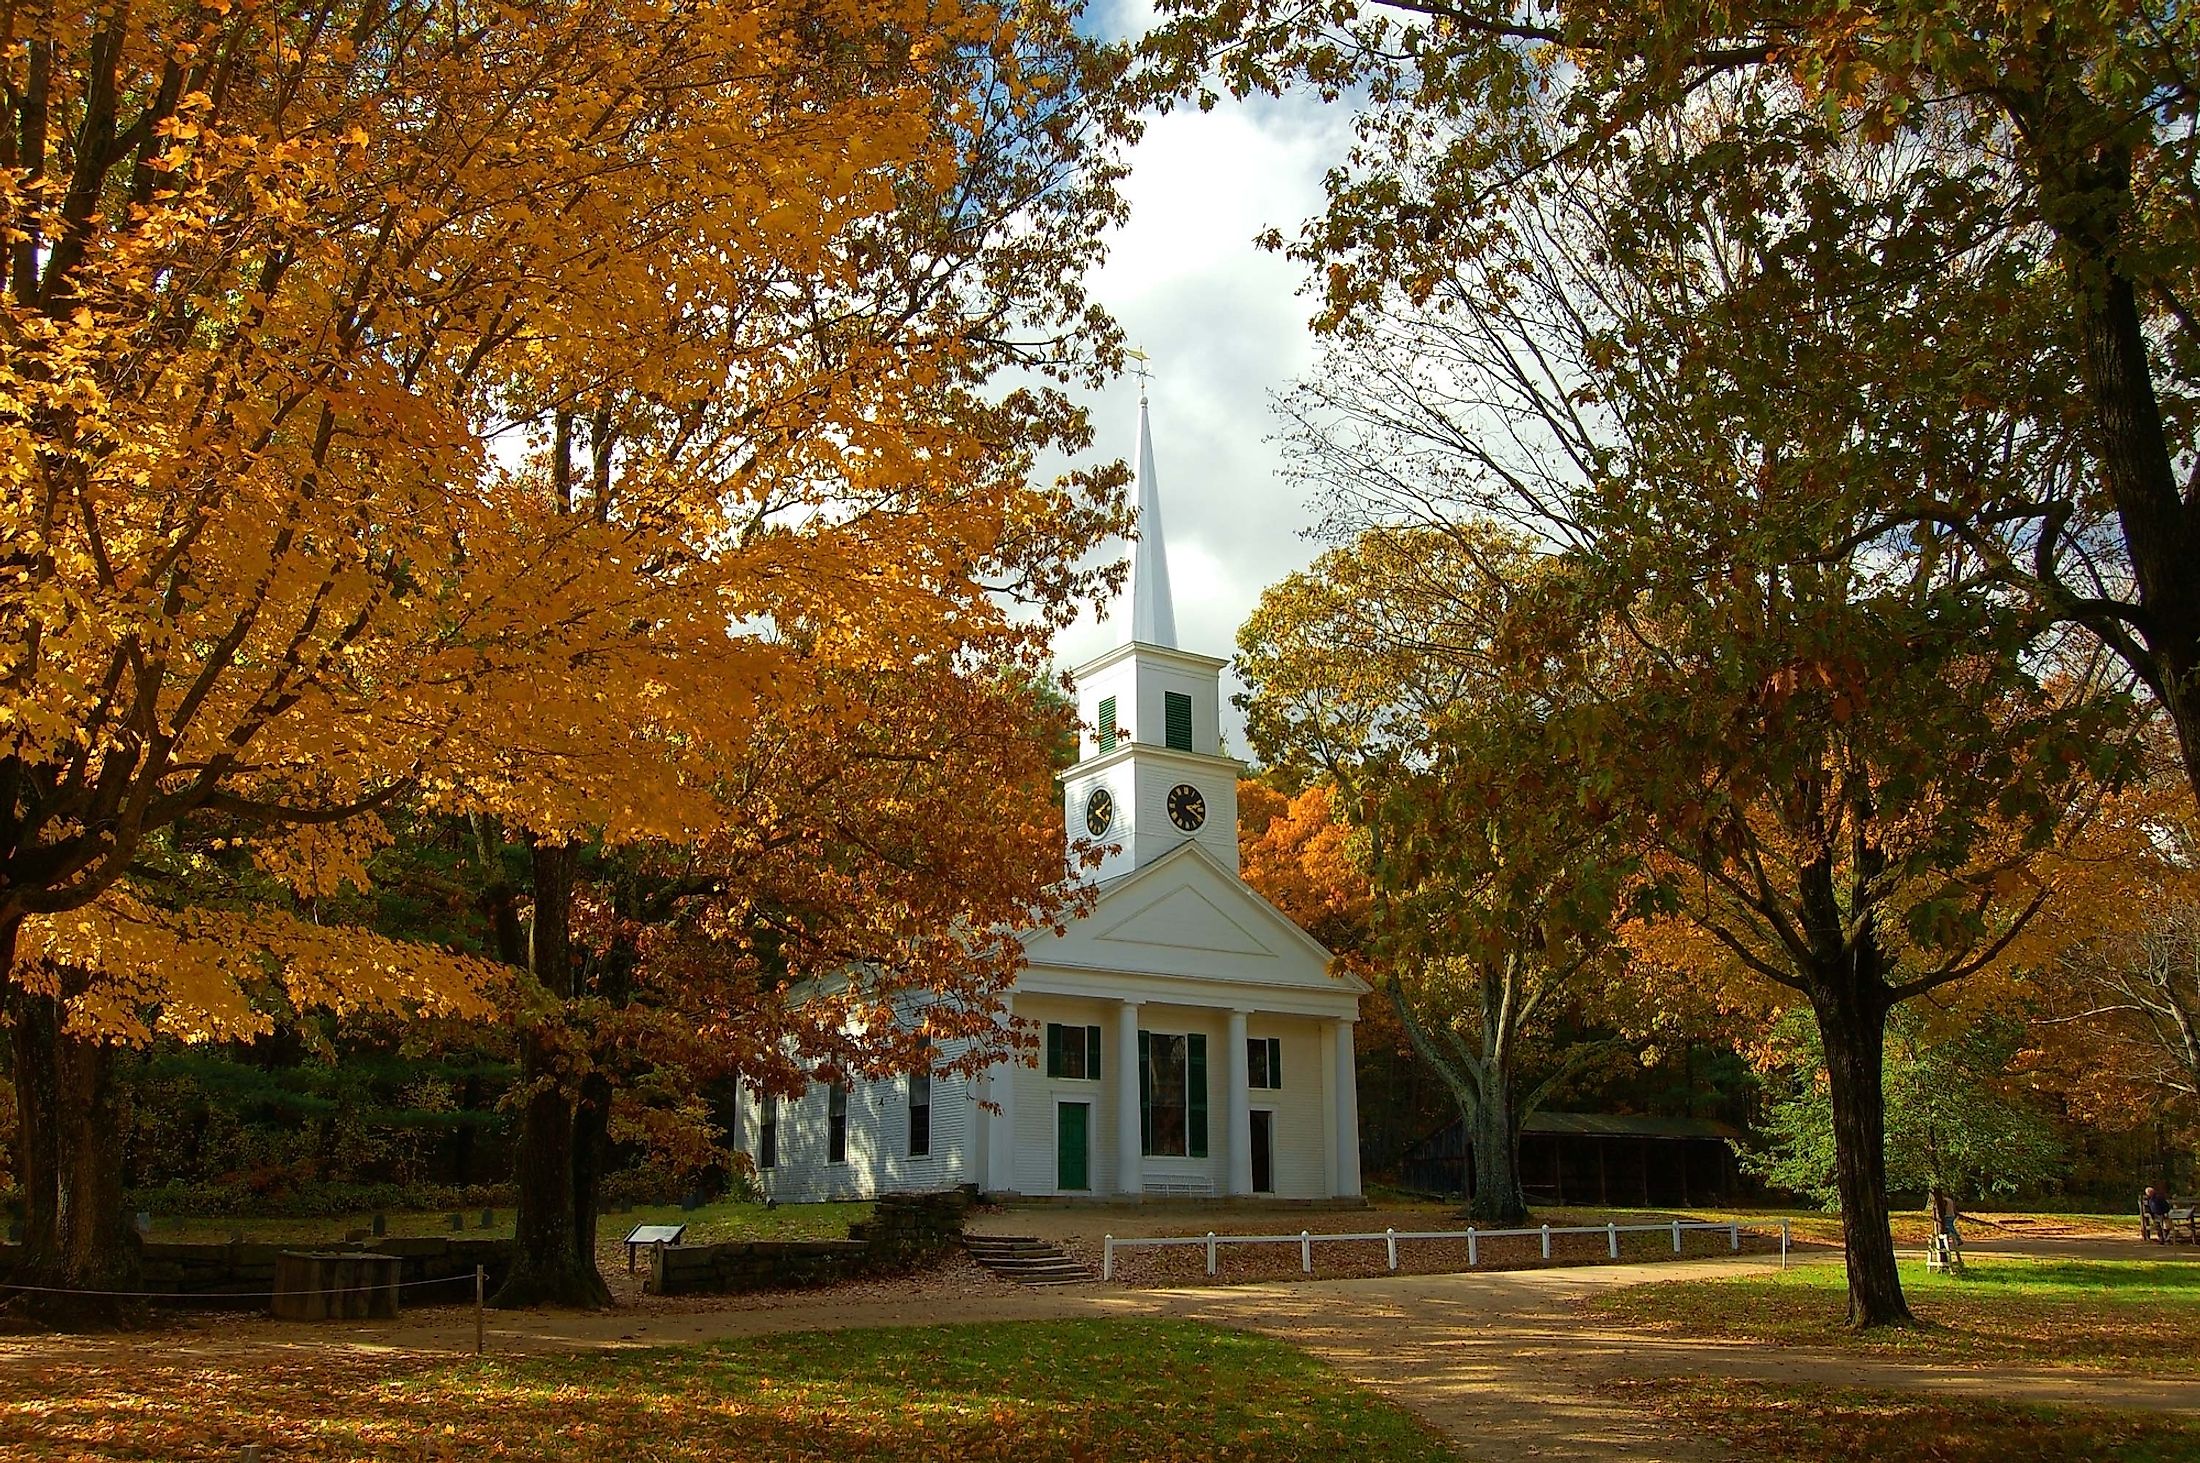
{"points": [[2181, 1223], [336, 1285]]}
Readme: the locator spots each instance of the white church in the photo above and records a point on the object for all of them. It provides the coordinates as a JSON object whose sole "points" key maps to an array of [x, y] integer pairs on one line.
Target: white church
{"points": [[1194, 1041]]}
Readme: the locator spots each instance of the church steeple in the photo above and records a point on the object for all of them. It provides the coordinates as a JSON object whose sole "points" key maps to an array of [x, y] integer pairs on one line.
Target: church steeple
{"points": [[1153, 613], [1151, 775]]}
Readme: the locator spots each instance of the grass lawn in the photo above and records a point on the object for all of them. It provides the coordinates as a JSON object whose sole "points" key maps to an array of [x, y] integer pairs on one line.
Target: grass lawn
{"points": [[1765, 1423], [723, 1220], [1075, 1391], [2096, 1313]]}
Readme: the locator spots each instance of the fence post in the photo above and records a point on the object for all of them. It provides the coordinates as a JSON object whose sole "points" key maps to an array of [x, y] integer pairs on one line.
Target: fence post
{"points": [[1107, 1257], [1676, 1236], [481, 1287], [1390, 1245], [1471, 1248], [1783, 1244], [1210, 1252], [1306, 1252], [1546, 1242], [1611, 1236], [1734, 1234]]}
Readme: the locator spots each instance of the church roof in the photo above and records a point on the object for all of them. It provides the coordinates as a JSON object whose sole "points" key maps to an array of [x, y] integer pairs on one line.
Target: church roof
{"points": [[1153, 612]]}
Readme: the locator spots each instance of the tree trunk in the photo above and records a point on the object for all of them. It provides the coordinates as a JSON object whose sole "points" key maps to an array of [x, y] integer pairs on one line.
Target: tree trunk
{"points": [[1493, 1125], [77, 1247], [1852, 1027], [2084, 174], [559, 1156]]}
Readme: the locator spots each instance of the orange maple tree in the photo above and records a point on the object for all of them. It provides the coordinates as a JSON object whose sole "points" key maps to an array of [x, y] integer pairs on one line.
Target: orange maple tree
{"points": [[281, 286]]}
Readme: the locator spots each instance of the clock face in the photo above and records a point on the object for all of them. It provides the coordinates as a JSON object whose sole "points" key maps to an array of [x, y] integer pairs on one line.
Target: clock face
{"points": [[1099, 811], [1187, 809]]}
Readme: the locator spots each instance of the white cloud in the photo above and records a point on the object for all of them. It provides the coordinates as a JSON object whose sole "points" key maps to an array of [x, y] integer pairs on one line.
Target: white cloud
{"points": [[1226, 327]]}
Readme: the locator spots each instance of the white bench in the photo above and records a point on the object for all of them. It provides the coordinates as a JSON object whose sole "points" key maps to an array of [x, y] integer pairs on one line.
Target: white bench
{"points": [[1178, 1186]]}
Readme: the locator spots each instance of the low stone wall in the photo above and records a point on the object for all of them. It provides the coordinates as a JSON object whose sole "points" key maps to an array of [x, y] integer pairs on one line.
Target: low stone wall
{"points": [[905, 1233], [739, 1266], [242, 1275], [911, 1231]]}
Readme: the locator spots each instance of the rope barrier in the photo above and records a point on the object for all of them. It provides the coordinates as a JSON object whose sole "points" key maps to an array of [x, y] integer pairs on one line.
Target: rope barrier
{"points": [[466, 1279]]}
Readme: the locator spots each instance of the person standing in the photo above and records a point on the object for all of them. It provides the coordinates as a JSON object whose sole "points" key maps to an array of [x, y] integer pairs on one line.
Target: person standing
{"points": [[1945, 1234]]}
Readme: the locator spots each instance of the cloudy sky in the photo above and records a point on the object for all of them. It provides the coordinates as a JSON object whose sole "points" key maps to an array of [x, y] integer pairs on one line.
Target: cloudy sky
{"points": [[1226, 328]]}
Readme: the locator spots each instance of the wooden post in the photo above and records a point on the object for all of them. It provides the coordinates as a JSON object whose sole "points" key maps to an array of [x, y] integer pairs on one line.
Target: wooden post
{"points": [[1390, 1244], [1676, 1236], [1546, 1242], [1472, 1250], [1611, 1234], [481, 1289], [1306, 1251], [1107, 1257], [1210, 1252]]}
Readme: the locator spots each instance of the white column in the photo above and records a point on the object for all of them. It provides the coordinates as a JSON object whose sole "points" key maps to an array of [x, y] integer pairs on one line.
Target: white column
{"points": [[1000, 1127], [1238, 1134], [1347, 1108], [1129, 1164]]}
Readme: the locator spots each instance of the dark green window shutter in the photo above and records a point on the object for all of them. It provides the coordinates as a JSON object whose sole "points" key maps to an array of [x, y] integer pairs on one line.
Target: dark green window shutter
{"points": [[1177, 731], [1054, 1049], [1145, 1093], [1275, 1061], [1092, 1052], [1195, 1093], [1107, 723]]}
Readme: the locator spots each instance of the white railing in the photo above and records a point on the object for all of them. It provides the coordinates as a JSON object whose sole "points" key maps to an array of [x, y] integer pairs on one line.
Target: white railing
{"points": [[1391, 1238]]}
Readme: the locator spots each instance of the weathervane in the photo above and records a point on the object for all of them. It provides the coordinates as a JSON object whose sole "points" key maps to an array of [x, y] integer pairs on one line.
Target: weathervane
{"points": [[1140, 372]]}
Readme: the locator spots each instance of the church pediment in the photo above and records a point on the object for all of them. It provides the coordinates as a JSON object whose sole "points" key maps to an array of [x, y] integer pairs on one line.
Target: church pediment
{"points": [[1185, 917], [1182, 918]]}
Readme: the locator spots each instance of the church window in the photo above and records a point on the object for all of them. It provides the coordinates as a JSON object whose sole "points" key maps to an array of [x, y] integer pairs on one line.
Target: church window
{"points": [[1264, 1061], [767, 1132], [920, 1113], [1073, 1052], [1177, 720], [1172, 1094], [836, 1123], [1107, 723]]}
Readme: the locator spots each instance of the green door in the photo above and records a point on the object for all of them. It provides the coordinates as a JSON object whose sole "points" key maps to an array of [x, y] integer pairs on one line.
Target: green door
{"points": [[1071, 1170]]}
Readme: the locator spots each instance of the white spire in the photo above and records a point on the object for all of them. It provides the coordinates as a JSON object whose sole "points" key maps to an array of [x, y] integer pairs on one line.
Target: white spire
{"points": [[1153, 614]]}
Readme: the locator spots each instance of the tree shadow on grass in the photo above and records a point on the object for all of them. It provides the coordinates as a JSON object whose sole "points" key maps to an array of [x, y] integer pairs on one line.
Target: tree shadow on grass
{"points": [[1088, 1391]]}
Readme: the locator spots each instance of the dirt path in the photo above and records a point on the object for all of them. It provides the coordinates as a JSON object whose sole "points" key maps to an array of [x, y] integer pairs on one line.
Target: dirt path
{"points": [[1503, 1362]]}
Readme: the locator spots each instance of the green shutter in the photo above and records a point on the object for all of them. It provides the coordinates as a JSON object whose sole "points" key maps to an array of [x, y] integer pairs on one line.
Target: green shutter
{"points": [[1195, 1094], [1177, 708], [1054, 1049], [1092, 1052], [1107, 723], [1145, 1093], [1275, 1061]]}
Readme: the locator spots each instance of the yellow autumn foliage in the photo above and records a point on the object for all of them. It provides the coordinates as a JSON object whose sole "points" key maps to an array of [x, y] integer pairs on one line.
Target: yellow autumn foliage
{"points": [[500, 408]]}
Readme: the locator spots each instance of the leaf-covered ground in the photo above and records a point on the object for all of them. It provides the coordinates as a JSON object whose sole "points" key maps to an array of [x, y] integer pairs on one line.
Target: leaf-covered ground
{"points": [[2097, 1313], [1761, 1422], [1035, 1392]]}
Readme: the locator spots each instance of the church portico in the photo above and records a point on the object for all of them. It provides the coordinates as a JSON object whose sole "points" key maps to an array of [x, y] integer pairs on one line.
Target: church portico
{"points": [[1178, 1097]]}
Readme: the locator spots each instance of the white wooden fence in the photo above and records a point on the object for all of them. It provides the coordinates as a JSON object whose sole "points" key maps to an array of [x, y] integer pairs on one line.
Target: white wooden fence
{"points": [[1392, 1238]]}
